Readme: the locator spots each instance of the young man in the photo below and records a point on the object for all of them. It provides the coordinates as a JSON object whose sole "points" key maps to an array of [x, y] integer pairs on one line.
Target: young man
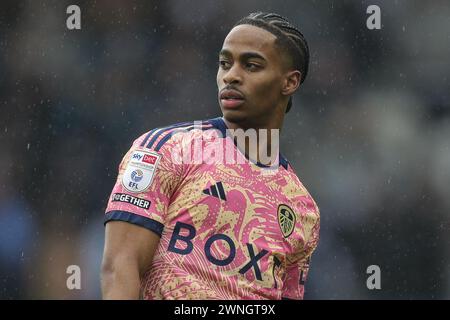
{"points": [[218, 229]]}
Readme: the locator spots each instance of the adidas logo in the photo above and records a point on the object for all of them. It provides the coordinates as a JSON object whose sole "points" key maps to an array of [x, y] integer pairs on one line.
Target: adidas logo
{"points": [[216, 190]]}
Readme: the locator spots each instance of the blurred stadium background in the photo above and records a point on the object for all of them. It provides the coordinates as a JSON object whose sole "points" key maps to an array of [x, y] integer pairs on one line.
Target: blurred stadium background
{"points": [[369, 132]]}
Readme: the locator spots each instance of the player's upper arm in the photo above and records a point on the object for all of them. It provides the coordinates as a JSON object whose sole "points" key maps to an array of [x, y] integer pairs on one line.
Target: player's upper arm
{"points": [[136, 213], [130, 245]]}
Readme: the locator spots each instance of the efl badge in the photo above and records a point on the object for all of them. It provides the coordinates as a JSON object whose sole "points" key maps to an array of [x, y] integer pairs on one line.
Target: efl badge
{"points": [[140, 170], [286, 219]]}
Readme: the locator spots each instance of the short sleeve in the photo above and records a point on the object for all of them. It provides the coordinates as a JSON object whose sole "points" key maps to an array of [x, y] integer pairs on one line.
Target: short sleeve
{"points": [[147, 178], [297, 269]]}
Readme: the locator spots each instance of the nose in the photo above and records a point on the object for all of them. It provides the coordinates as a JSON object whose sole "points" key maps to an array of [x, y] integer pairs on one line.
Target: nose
{"points": [[232, 75]]}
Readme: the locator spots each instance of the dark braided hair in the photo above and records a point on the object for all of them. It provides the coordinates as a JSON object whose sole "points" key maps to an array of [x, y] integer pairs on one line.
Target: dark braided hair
{"points": [[289, 39]]}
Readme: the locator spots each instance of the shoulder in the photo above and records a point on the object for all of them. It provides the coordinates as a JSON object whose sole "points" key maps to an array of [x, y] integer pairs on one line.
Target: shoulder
{"points": [[303, 192], [164, 136]]}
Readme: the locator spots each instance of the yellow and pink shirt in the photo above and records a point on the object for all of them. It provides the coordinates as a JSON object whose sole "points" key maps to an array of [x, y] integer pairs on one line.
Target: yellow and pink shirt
{"points": [[228, 229]]}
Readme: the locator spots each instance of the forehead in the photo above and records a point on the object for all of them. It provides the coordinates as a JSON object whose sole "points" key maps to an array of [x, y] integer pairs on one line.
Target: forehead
{"points": [[250, 38]]}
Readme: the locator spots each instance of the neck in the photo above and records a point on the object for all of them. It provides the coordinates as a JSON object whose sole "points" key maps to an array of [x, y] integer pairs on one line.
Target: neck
{"points": [[259, 141], [274, 121]]}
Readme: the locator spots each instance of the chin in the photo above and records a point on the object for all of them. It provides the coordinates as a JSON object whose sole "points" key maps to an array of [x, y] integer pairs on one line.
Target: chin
{"points": [[235, 116]]}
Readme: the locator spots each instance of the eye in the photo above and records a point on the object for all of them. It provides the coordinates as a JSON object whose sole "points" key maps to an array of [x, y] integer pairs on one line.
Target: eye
{"points": [[224, 64], [252, 66]]}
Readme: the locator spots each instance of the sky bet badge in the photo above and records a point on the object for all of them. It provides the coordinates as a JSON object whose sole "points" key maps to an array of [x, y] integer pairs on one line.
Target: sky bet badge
{"points": [[286, 219], [140, 170]]}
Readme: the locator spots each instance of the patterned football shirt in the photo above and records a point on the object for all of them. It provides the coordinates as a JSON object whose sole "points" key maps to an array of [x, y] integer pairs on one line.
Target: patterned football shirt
{"points": [[228, 229]]}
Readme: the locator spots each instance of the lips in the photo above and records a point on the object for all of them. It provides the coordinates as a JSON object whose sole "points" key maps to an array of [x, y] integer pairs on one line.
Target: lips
{"points": [[229, 94], [231, 99]]}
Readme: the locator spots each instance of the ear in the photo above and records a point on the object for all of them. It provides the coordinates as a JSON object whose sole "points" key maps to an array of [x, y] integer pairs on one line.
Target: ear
{"points": [[291, 82]]}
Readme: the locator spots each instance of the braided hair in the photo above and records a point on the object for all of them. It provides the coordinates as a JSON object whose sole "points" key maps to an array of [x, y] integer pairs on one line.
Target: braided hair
{"points": [[289, 39]]}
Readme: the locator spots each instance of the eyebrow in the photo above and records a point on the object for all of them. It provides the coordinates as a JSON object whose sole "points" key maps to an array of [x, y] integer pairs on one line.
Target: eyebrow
{"points": [[244, 55]]}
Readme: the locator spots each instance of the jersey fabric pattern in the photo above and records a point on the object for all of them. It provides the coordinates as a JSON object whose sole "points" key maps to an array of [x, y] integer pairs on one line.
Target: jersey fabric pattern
{"points": [[227, 231]]}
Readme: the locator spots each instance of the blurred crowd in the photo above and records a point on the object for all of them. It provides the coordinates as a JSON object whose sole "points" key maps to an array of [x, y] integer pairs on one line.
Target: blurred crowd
{"points": [[368, 134]]}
